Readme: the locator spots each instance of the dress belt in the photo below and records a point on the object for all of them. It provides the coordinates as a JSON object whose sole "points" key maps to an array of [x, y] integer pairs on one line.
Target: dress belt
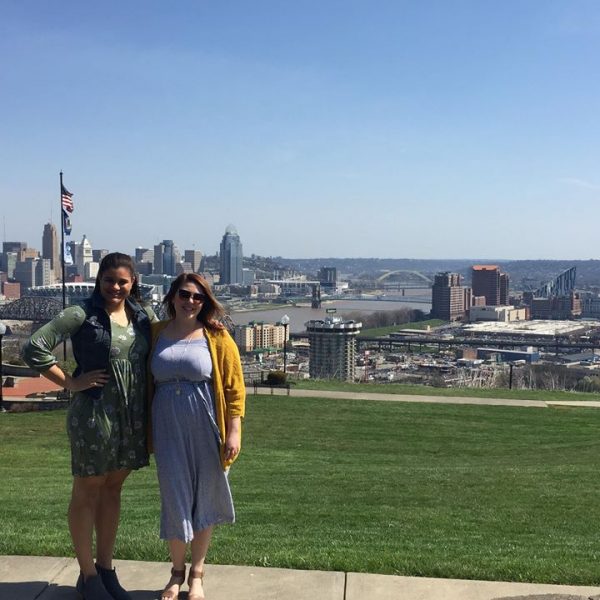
{"points": [[180, 381]]}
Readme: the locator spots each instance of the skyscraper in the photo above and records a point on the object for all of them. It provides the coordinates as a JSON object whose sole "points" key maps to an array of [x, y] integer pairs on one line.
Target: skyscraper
{"points": [[231, 257], [50, 249]]}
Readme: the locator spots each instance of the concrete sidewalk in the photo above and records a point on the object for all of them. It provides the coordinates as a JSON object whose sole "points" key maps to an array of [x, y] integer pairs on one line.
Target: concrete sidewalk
{"points": [[45, 578], [300, 393]]}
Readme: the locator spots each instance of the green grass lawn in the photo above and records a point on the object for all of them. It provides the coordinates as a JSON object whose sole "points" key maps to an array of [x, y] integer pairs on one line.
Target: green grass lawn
{"points": [[380, 331], [425, 390], [413, 489]]}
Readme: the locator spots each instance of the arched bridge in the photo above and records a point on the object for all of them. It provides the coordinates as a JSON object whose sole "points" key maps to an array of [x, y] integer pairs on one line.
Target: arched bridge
{"points": [[414, 275]]}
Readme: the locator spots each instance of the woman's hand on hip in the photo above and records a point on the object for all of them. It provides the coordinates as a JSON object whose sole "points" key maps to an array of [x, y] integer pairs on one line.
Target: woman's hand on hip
{"points": [[85, 381]]}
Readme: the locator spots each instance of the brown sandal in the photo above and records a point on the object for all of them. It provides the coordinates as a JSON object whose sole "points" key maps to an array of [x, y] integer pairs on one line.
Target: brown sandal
{"points": [[196, 575], [177, 578]]}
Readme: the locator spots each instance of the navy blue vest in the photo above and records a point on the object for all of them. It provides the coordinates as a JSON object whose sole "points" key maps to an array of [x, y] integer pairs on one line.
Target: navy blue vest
{"points": [[92, 342]]}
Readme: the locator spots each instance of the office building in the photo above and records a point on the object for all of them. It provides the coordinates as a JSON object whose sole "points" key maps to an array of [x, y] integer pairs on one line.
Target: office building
{"points": [[194, 258], [448, 297], [332, 353], [487, 281], [166, 257], [231, 257], [9, 262], [51, 249], [158, 259]]}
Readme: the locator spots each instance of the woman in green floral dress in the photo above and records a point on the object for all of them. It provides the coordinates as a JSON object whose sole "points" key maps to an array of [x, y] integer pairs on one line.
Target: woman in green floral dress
{"points": [[107, 418]]}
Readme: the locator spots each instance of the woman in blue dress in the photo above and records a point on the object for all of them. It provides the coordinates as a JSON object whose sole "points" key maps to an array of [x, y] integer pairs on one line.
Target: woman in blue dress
{"points": [[197, 409]]}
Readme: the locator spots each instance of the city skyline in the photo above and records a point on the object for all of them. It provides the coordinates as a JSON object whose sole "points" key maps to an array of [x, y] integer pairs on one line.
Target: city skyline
{"points": [[347, 129]]}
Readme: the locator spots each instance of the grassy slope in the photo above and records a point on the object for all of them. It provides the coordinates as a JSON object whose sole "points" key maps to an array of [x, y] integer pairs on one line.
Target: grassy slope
{"points": [[430, 490], [380, 331]]}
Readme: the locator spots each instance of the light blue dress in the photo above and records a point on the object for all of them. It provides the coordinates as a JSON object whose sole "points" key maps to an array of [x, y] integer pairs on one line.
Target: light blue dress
{"points": [[194, 489]]}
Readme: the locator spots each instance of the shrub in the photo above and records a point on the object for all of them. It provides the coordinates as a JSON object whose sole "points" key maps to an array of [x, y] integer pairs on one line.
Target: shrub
{"points": [[276, 378]]}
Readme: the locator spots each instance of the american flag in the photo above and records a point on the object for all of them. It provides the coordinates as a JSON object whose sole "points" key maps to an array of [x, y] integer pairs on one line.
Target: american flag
{"points": [[67, 200]]}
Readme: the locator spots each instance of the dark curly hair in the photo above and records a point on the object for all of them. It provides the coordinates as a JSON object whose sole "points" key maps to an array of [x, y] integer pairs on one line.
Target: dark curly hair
{"points": [[116, 260]]}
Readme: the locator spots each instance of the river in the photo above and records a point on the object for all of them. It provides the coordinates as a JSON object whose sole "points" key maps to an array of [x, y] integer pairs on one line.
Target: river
{"points": [[300, 314]]}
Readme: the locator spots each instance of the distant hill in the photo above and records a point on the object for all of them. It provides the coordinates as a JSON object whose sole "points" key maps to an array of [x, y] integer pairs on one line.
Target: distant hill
{"points": [[524, 274]]}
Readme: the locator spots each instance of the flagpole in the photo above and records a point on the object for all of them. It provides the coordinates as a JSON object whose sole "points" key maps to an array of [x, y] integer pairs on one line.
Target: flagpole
{"points": [[62, 256]]}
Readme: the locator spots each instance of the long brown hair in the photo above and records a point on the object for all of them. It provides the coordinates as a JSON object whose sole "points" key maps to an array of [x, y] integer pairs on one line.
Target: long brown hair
{"points": [[211, 311], [116, 260]]}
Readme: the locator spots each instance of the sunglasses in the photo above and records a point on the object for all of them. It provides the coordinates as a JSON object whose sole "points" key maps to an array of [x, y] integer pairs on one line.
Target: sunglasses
{"points": [[186, 295]]}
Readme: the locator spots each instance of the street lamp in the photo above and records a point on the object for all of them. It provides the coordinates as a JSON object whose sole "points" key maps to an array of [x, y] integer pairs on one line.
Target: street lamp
{"points": [[285, 321], [2, 332]]}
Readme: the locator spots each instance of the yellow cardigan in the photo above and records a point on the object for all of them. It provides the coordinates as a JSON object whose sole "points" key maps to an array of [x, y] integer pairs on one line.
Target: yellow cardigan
{"points": [[227, 378]]}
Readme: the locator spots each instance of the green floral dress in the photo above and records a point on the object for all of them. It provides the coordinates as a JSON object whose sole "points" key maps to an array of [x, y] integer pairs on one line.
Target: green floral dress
{"points": [[108, 433]]}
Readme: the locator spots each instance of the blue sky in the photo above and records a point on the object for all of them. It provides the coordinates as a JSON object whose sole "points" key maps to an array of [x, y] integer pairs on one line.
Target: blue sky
{"points": [[418, 129]]}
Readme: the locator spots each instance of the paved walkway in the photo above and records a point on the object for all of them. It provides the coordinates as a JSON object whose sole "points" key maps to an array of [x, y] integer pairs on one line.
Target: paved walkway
{"points": [[45, 578], [299, 393]]}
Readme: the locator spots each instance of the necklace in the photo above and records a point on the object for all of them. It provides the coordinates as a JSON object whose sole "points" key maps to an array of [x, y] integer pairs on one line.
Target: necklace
{"points": [[179, 363], [121, 319]]}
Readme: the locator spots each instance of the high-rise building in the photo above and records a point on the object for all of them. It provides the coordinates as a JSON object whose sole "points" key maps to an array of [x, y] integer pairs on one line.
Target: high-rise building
{"points": [[98, 255], [17, 247], [259, 335], [158, 258], [332, 353], [194, 257], [166, 257], [485, 281], [144, 254], [25, 273], [504, 289], [231, 257], [9, 262], [51, 249], [74, 251], [448, 297], [44, 275], [33, 272]]}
